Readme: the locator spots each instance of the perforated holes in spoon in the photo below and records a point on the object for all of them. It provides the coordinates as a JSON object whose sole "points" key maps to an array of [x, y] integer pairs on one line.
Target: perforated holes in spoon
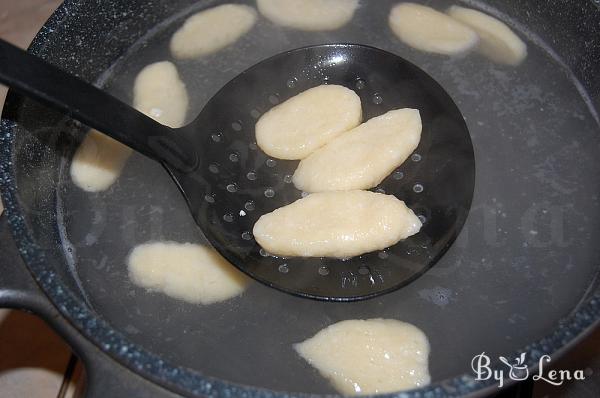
{"points": [[249, 183]]}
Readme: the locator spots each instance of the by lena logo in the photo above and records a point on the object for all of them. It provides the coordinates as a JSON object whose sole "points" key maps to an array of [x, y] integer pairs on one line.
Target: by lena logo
{"points": [[517, 370]]}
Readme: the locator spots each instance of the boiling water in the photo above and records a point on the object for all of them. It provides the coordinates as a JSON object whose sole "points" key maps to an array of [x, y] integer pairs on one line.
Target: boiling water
{"points": [[523, 260]]}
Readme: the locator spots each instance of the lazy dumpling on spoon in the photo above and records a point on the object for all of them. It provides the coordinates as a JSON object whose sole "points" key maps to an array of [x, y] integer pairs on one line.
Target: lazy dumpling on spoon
{"points": [[304, 123], [336, 224], [362, 157], [229, 182]]}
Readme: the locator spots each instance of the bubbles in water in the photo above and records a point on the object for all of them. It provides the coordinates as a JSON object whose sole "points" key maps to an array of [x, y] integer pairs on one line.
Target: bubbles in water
{"points": [[418, 188], [377, 99], [209, 198], [287, 178], [237, 126], [213, 168], [216, 137], [234, 157], [255, 113], [271, 162], [422, 218], [360, 84], [232, 188], [263, 253], [269, 192], [363, 270], [415, 157], [251, 175], [273, 99], [380, 190], [411, 251], [253, 146], [228, 217], [325, 79], [246, 235], [283, 268], [383, 255], [438, 295], [249, 206], [292, 82], [324, 271], [398, 175]]}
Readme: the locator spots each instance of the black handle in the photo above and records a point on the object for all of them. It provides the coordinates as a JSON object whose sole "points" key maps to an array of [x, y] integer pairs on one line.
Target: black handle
{"points": [[38, 79], [104, 377]]}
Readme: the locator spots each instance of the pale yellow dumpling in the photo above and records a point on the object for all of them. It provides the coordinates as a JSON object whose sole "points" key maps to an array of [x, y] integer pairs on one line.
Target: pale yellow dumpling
{"points": [[362, 157], [310, 15], [302, 124], [497, 41], [211, 30], [426, 29], [336, 224], [369, 356], [159, 93], [98, 162], [185, 271]]}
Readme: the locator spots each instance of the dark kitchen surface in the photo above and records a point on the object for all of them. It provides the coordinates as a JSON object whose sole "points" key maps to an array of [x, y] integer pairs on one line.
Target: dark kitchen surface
{"points": [[33, 359]]}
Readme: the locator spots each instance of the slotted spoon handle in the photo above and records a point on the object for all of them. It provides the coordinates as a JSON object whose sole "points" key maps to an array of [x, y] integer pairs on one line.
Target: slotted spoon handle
{"points": [[38, 79]]}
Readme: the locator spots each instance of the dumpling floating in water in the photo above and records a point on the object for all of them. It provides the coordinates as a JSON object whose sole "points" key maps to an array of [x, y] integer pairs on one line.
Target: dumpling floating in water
{"points": [[98, 162], [371, 356], [310, 15], [211, 30], [185, 271], [336, 224], [297, 127], [497, 41], [159, 93], [426, 29]]}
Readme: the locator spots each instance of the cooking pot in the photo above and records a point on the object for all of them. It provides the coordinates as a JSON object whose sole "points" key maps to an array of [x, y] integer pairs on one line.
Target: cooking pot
{"points": [[522, 277]]}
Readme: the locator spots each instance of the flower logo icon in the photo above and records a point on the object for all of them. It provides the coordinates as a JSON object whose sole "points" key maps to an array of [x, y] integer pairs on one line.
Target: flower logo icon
{"points": [[518, 370]]}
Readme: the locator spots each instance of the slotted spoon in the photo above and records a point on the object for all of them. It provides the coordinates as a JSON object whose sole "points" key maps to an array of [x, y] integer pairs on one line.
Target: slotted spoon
{"points": [[229, 182]]}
